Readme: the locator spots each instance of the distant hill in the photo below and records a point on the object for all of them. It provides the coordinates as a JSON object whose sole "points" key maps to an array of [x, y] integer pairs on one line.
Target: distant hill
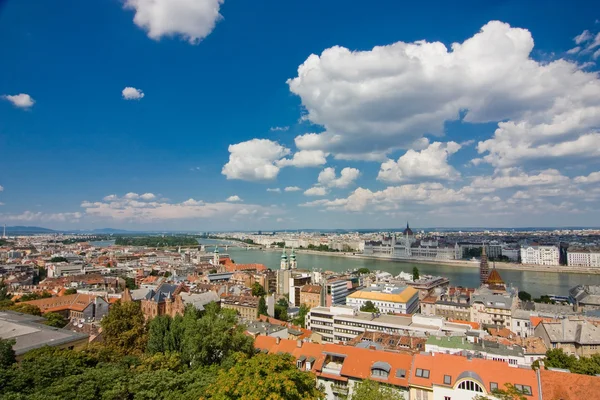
{"points": [[22, 230]]}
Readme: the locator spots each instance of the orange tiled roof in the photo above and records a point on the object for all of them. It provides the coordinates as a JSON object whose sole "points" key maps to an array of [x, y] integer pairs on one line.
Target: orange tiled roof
{"points": [[73, 302], [474, 325], [357, 362], [486, 371], [568, 386]]}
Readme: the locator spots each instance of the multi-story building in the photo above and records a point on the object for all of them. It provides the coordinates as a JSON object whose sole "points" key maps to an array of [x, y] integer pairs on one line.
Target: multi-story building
{"points": [[344, 323], [388, 299], [540, 255], [455, 303], [583, 257], [491, 308], [245, 306], [574, 336], [78, 305], [339, 291], [163, 300], [312, 295], [586, 297]]}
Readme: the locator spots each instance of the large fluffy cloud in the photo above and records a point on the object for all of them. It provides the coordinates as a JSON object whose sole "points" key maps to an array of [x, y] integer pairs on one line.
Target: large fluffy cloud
{"points": [[254, 160], [305, 158], [328, 178], [193, 20], [128, 208], [21, 100], [371, 102], [431, 162]]}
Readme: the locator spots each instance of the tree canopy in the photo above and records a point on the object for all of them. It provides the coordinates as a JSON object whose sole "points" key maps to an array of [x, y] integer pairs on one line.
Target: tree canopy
{"points": [[262, 306], [124, 328], [258, 290], [372, 390], [415, 274], [369, 307], [557, 358], [264, 376]]}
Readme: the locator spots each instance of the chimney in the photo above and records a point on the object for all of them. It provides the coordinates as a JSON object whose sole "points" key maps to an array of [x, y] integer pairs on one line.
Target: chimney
{"points": [[277, 340], [299, 343]]}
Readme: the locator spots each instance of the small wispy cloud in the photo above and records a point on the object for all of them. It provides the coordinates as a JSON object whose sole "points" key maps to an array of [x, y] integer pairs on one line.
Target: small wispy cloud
{"points": [[274, 190], [279, 128]]}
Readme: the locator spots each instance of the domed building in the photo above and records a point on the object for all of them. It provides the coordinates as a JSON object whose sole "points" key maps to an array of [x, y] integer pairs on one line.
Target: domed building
{"points": [[408, 231]]}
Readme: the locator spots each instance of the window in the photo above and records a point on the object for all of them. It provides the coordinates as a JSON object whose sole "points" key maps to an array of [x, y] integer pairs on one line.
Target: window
{"points": [[526, 390], [447, 380], [422, 373], [447, 398], [470, 386], [493, 386]]}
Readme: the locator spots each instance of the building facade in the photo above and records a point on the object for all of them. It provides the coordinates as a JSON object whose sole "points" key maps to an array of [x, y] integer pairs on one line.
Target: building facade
{"points": [[388, 299], [540, 255]]}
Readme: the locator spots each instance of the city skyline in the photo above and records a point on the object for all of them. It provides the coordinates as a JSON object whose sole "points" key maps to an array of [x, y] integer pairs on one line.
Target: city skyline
{"points": [[120, 115]]}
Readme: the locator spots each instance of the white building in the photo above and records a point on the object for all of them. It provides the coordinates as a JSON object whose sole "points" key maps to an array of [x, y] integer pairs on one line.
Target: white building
{"points": [[388, 299], [344, 323], [580, 257], [540, 255]]}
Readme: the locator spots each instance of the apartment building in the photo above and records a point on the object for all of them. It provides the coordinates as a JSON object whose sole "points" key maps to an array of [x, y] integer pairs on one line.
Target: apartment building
{"points": [[540, 255], [388, 299], [245, 306], [574, 336], [311, 295], [491, 308], [344, 323], [583, 257]]}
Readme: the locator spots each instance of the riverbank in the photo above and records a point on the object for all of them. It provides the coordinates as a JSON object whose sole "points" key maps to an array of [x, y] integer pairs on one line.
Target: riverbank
{"points": [[452, 263]]}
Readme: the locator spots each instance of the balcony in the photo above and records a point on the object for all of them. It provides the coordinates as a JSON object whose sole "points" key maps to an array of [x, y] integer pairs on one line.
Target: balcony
{"points": [[340, 389]]}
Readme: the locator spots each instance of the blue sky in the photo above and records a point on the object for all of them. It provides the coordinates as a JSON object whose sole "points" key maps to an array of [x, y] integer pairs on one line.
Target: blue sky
{"points": [[368, 111]]}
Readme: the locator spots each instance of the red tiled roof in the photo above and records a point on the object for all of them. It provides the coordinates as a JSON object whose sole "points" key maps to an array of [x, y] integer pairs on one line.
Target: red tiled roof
{"points": [[488, 371], [567, 386], [73, 302]]}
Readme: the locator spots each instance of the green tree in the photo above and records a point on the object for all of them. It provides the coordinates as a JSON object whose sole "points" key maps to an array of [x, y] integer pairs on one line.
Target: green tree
{"points": [[258, 290], [7, 354], [369, 307], [4, 295], [130, 283], [415, 273], [56, 320], [510, 393], [159, 335], [262, 306], [363, 271], [524, 296], [264, 376], [301, 318], [26, 309], [372, 390], [124, 328], [71, 291], [214, 337], [58, 259]]}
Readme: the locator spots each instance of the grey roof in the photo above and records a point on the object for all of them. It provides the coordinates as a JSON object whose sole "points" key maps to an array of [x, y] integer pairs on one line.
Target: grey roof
{"points": [[161, 293], [586, 294], [29, 334], [471, 375], [493, 300], [139, 294], [199, 300], [382, 365], [582, 332]]}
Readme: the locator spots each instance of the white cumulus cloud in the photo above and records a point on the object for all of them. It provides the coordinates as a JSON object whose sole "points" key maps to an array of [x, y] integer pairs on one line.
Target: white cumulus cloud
{"points": [[591, 178], [372, 102], [316, 191], [328, 178], [234, 198], [514, 177], [305, 158], [292, 189], [20, 100], [131, 93], [254, 160], [431, 162], [193, 20]]}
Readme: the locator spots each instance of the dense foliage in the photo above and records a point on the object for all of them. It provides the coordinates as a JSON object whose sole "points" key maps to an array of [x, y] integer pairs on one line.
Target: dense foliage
{"points": [[58, 259], [156, 241], [258, 290], [194, 356], [557, 358], [369, 307], [281, 308], [415, 274], [372, 390]]}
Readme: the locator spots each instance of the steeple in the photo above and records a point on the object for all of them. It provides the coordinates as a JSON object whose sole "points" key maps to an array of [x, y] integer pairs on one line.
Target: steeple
{"points": [[216, 255], [484, 268], [284, 260], [407, 231], [293, 264]]}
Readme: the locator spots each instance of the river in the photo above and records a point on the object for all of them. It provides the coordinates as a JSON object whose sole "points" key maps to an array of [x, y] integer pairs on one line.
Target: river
{"points": [[536, 283]]}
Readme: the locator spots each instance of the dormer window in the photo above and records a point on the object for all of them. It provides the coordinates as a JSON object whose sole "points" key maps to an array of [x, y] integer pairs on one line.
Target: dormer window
{"points": [[380, 370]]}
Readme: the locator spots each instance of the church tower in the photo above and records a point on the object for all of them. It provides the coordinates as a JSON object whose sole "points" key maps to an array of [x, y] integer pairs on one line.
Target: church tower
{"points": [[293, 264], [216, 255], [484, 268], [284, 260]]}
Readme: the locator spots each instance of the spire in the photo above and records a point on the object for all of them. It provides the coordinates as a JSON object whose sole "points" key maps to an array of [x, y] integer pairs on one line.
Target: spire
{"points": [[216, 249]]}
